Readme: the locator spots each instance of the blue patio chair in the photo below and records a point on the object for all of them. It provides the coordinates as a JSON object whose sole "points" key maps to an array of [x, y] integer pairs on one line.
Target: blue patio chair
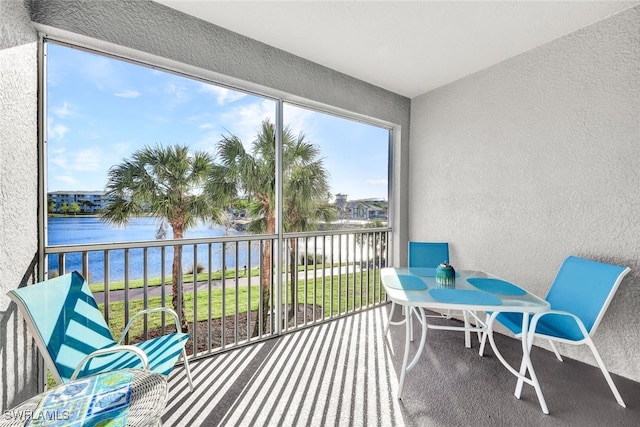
{"points": [[427, 254], [422, 255], [579, 297], [74, 339]]}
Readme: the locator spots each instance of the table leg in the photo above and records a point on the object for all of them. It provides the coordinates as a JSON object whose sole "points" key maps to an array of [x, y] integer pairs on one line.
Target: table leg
{"points": [[408, 338], [405, 358], [423, 339]]}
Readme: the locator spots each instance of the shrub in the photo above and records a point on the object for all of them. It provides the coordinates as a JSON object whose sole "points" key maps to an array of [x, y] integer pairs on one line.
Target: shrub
{"points": [[311, 258], [199, 269]]}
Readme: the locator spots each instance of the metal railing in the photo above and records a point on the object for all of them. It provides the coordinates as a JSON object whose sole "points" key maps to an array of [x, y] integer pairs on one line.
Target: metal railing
{"points": [[230, 296]]}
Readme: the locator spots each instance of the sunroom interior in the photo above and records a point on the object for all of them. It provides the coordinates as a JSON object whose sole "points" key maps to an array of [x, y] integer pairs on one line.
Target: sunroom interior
{"points": [[517, 164]]}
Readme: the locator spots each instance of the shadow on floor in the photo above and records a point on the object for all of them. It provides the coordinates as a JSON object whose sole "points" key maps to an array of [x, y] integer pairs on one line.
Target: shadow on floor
{"points": [[346, 372]]}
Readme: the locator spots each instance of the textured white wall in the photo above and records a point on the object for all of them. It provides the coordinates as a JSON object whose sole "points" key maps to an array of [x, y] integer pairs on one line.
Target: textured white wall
{"points": [[538, 158], [18, 194]]}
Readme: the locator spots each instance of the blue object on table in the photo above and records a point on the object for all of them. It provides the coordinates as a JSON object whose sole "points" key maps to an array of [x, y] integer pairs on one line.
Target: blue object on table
{"points": [[463, 296], [445, 274], [496, 286]]}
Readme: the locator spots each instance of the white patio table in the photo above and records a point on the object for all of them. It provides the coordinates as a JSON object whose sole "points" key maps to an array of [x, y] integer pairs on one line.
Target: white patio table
{"points": [[473, 291]]}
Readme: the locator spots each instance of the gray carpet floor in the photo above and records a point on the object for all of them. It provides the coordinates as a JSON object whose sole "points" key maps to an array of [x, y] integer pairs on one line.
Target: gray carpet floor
{"points": [[346, 372]]}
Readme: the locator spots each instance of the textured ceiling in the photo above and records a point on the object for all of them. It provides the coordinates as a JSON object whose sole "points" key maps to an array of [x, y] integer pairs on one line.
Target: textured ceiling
{"points": [[405, 47]]}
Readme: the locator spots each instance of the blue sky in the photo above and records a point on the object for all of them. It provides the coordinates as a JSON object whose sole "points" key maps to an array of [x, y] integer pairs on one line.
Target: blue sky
{"points": [[100, 110]]}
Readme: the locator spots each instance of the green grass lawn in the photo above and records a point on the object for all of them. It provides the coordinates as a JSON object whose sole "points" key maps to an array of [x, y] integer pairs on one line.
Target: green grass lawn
{"points": [[187, 278], [157, 281], [338, 297]]}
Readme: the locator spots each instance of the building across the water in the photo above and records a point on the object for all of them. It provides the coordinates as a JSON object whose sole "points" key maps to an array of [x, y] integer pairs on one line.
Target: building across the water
{"points": [[88, 201], [361, 209]]}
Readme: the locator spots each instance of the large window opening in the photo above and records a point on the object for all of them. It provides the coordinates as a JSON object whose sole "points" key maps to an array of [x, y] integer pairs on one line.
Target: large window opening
{"points": [[101, 110], [219, 202]]}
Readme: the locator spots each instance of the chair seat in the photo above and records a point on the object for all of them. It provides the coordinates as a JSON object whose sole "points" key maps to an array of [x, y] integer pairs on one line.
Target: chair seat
{"points": [[162, 352], [552, 325]]}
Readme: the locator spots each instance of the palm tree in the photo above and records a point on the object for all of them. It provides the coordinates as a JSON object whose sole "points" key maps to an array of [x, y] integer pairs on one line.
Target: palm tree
{"points": [[305, 199], [165, 182], [253, 175]]}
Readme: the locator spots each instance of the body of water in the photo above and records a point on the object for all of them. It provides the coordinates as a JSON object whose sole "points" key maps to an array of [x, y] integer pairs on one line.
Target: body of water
{"points": [[88, 230]]}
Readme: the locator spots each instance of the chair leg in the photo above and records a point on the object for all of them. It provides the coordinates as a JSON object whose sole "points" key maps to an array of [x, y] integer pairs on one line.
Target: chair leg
{"points": [[476, 320], [606, 374], [467, 330], [187, 368], [483, 341], [555, 350]]}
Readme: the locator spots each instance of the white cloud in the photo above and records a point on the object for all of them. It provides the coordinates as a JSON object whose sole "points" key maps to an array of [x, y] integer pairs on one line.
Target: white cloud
{"points": [[59, 160], [56, 132], [179, 92], [100, 71], [67, 179], [63, 111], [244, 122], [208, 142], [300, 120], [121, 148], [84, 169], [127, 94], [53, 150], [87, 160], [377, 181], [223, 95]]}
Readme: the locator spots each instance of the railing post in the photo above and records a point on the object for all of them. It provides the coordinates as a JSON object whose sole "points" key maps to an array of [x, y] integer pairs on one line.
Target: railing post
{"points": [[85, 266], [105, 287], [126, 291], [277, 259], [145, 289]]}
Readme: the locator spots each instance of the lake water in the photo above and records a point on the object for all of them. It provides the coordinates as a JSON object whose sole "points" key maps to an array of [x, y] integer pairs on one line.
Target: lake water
{"points": [[88, 230]]}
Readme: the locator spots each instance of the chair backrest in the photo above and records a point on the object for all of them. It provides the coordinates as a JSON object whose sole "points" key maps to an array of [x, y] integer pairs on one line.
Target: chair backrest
{"points": [[65, 321], [585, 288], [427, 254]]}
